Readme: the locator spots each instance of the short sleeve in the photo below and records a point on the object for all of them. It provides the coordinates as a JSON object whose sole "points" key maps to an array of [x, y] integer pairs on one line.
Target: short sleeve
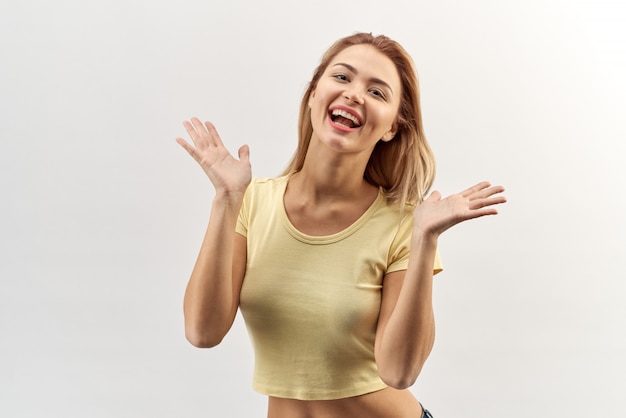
{"points": [[244, 212], [401, 248]]}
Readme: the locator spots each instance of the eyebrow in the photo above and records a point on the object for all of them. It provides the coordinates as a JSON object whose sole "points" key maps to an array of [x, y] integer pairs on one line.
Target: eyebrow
{"points": [[373, 79]]}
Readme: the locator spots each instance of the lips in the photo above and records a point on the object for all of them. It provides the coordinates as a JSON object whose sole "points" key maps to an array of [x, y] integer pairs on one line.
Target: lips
{"points": [[345, 118]]}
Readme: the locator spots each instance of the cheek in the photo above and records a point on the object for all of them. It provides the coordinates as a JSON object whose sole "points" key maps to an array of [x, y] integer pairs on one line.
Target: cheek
{"points": [[389, 120], [315, 104]]}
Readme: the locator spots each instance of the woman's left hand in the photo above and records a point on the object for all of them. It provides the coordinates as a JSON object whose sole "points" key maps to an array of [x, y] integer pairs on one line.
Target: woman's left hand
{"points": [[436, 215]]}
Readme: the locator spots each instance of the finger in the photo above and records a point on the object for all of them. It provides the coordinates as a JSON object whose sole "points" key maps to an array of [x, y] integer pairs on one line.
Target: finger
{"points": [[475, 188], [435, 196], [482, 190], [214, 137], [488, 192], [244, 154], [191, 131], [483, 203], [482, 212], [202, 135], [191, 150]]}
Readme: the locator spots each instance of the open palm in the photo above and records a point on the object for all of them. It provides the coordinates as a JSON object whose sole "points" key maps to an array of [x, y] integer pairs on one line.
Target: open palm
{"points": [[435, 215], [229, 175]]}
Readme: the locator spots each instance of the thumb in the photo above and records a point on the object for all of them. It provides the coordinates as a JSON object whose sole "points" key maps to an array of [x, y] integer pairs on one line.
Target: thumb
{"points": [[435, 196], [244, 153]]}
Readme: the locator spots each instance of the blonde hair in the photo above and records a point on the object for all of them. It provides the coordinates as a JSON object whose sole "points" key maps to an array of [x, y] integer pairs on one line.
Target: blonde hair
{"points": [[405, 166]]}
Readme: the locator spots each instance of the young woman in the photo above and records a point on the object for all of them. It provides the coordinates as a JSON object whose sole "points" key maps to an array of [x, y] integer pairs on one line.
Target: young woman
{"points": [[332, 263]]}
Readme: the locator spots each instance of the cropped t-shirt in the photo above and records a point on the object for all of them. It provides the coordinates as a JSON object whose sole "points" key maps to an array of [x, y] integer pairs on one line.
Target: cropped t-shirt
{"points": [[311, 303]]}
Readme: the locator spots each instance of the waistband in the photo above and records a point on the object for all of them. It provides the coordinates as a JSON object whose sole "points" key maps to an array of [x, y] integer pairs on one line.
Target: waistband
{"points": [[425, 412]]}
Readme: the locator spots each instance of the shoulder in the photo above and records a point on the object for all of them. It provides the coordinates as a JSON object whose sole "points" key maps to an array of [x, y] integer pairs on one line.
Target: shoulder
{"points": [[401, 215], [267, 183], [261, 191]]}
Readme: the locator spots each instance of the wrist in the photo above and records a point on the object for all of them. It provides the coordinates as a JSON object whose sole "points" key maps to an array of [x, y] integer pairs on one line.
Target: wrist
{"points": [[228, 199], [424, 239]]}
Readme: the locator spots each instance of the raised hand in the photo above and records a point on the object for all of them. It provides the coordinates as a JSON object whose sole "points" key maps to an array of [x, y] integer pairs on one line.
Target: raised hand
{"points": [[435, 215], [230, 176]]}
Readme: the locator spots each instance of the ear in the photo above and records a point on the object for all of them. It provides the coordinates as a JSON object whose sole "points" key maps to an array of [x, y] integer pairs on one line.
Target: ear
{"points": [[311, 97], [390, 134]]}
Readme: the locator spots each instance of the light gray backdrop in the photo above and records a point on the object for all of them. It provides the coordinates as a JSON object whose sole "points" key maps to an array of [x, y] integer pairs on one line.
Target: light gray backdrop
{"points": [[102, 213]]}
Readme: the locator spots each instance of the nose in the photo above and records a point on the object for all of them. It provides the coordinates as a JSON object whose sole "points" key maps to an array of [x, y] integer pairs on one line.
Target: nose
{"points": [[352, 94]]}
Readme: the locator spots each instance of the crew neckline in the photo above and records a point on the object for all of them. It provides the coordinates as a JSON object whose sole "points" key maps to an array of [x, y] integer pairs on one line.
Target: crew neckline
{"points": [[325, 239]]}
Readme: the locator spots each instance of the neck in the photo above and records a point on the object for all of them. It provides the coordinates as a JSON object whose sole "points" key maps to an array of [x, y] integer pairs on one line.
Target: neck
{"points": [[332, 177]]}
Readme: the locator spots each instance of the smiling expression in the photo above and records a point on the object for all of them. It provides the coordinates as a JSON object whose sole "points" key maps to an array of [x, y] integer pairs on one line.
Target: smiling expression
{"points": [[355, 103]]}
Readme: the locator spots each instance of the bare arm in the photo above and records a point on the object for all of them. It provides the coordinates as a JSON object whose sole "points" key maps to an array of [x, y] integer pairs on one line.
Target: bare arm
{"points": [[212, 294], [406, 326]]}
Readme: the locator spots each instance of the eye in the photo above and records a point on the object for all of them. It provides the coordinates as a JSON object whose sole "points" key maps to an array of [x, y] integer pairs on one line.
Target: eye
{"points": [[341, 77], [377, 92]]}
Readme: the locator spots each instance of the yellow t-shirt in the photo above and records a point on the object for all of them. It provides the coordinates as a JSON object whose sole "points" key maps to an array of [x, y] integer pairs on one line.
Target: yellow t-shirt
{"points": [[311, 303]]}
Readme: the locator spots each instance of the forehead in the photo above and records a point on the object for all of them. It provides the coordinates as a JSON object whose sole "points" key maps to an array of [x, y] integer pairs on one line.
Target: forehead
{"points": [[370, 61]]}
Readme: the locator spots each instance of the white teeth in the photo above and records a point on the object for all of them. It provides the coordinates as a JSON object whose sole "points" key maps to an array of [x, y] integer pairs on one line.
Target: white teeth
{"points": [[343, 113]]}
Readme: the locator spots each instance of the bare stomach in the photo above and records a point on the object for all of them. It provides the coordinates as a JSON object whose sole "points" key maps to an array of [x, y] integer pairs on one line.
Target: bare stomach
{"points": [[385, 403]]}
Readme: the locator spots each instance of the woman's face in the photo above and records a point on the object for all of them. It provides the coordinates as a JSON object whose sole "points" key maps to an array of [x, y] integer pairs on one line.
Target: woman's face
{"points": [[355, 103]]}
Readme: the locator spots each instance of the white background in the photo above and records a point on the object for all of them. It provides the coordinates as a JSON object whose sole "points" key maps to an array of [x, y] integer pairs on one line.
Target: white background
{"points": [[102, 213]]}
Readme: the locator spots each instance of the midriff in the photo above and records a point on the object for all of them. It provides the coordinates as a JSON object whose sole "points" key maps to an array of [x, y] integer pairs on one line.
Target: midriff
{"points": [[385, 403]]}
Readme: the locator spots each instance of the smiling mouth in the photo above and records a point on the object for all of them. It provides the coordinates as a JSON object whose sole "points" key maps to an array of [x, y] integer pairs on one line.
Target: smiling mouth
{"points": [[347, 119]]}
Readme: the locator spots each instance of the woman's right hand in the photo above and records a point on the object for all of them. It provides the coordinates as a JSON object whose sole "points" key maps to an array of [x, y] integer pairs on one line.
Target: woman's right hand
{"points": [[229, 176]]}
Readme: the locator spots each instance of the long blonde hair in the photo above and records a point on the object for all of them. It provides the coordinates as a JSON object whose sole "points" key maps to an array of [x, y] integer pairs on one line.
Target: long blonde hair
{"points": [[405, 166]]}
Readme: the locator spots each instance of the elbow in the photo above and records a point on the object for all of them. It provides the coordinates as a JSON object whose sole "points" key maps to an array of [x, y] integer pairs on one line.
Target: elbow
{"points": [[203, 332], [399, 382], [202, 339], [400, 378]]}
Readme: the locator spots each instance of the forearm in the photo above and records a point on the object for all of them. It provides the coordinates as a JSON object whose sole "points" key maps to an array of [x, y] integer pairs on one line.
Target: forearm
{"points": [[409, 335], [210, 304]]}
